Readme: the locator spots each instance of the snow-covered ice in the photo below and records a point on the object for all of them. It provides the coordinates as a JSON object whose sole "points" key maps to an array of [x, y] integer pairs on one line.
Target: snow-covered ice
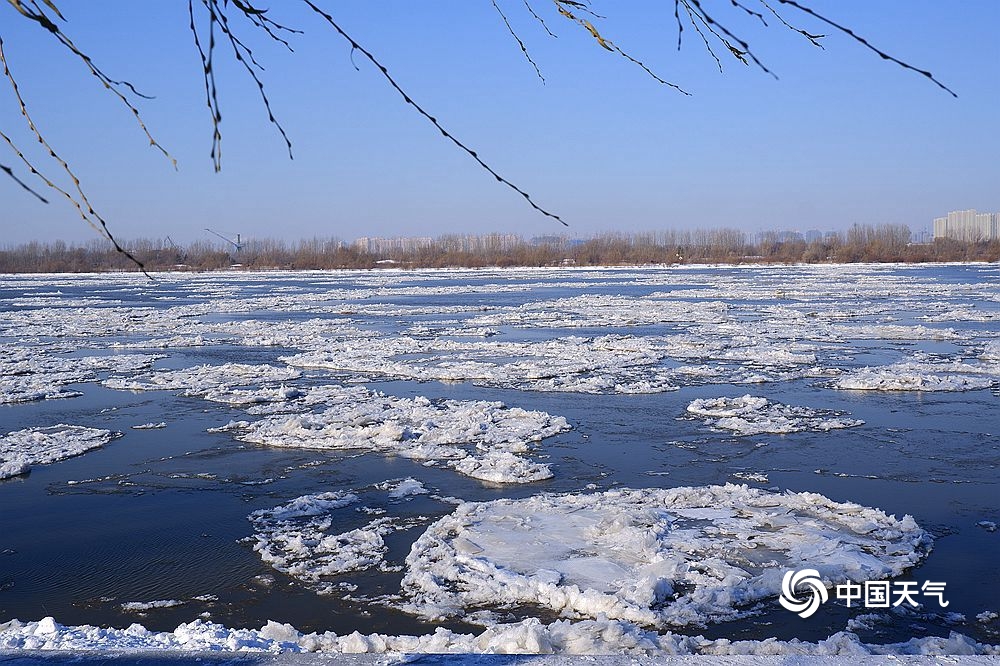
{"points": [[297, 538], [485, 440], [21, 449], [918, 376], [683, 556], [755, 415], [202, 379], [589, 637], [143, 606], [27, 375]]}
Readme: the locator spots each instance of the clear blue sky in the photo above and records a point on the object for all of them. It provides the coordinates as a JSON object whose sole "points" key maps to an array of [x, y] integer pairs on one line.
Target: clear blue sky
{"points": [[841, 137]]}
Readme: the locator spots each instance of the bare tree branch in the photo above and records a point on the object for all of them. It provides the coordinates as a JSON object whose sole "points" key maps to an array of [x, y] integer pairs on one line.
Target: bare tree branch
{"points": [[513, 34], [213, 22], [10, 172], [434, 121], [864, 42], [563, 7], [81, 204]]}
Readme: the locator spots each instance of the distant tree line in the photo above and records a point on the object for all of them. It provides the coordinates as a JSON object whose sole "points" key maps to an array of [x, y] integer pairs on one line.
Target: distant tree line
{"points": [[860, 243]]}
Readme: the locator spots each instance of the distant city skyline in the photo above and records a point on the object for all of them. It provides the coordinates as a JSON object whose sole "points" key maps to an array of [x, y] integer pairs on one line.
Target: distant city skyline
{"points": [[968, 225], [841, 138]]}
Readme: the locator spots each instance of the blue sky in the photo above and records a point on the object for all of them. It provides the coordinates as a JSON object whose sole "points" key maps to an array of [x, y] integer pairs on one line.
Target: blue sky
{"points": [[841, 137]]}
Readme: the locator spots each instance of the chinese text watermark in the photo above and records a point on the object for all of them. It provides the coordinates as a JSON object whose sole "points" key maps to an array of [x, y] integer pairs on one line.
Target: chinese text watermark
{"points": [[803, 592]]}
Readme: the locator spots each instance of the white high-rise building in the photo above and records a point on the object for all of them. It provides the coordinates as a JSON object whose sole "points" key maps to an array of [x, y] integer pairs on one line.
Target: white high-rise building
{"points": [[968, 225]]}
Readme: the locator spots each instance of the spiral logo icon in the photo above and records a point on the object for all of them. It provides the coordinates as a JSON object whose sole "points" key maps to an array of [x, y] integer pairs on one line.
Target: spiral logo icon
{"points": [[809, 579]]}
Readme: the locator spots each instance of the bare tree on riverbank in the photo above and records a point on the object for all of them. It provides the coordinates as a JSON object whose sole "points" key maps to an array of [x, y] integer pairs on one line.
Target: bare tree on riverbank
{"points": [[878, 243]]}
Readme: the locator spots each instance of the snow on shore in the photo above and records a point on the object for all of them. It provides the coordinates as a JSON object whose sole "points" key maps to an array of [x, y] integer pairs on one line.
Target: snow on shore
{"points": [[589, 637], [684, 556], [21, 449], [753, 415]]}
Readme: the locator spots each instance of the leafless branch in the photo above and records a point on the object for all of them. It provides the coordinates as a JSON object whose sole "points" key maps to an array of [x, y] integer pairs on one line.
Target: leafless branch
{"points": [[10, 172], [868, 45], [520, 43], [434, 121]]}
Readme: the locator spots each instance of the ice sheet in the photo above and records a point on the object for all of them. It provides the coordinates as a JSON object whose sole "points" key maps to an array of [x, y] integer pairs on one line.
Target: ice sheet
{"points": [[203, 379], [27, 375], [298, 538], [684, 556], [485, 440], [921, 375], [21, 449], [755, 415]]}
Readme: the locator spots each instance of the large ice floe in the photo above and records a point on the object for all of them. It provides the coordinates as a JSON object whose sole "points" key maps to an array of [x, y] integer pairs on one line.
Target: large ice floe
{"points": [[754, 415], [682, 556], [589, 637], [484, 440], [21, 449]]}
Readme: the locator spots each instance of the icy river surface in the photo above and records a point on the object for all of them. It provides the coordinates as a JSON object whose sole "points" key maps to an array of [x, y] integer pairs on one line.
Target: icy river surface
{"points": [[603, 460]]}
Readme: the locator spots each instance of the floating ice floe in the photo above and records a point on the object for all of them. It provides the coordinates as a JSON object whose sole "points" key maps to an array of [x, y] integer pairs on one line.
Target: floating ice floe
{"points": [[921, 376], [894, 332], [21, 449], [142, 606], [483, 440], [992, 350], [150, 426], [203, 379], [407, 487], [297, 538], [755, 477], [604, 311], [683, 556], [754, 415], [27, 375], [605, 364], [306, 537]]}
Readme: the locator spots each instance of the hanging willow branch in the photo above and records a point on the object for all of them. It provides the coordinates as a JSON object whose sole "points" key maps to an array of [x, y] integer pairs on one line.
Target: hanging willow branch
{"points": [[79, 201], [212, 22]]}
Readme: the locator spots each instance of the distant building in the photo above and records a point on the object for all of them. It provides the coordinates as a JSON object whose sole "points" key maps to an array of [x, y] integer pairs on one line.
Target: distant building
{"points": [[968, 225]]}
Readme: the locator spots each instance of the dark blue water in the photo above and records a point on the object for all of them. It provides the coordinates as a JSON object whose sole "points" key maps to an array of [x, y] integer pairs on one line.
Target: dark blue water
{"points": [[162, 514]]}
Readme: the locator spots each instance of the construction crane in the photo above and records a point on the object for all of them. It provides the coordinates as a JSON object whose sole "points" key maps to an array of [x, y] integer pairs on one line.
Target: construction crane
{"points": [[235, 243], [182, 255]]}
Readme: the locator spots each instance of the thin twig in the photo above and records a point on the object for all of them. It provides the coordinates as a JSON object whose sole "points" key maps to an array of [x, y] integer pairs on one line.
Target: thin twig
{"points": [[868, 45], [434, 121], [10, 172], [82, 205], [513, 34], [538, 18]]}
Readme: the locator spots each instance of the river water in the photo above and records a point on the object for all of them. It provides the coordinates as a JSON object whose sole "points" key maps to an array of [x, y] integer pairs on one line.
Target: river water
{"points": [[152, 527]]}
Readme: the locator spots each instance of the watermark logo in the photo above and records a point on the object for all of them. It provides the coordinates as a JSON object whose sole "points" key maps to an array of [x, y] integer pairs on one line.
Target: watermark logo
{"points": [[810, 580], [869, 593]]}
